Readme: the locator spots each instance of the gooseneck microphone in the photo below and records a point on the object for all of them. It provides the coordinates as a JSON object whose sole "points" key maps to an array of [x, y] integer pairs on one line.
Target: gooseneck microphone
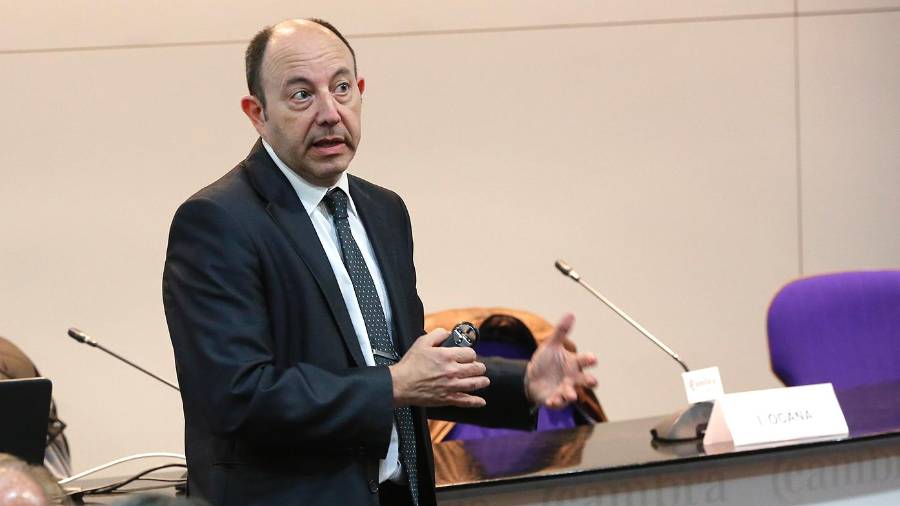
{"points": [[81, 337], [688, 424], [567, 270]]}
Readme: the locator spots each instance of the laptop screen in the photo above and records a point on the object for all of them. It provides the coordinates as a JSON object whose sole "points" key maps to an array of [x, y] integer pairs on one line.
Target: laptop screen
{"points": [[24, 413]]}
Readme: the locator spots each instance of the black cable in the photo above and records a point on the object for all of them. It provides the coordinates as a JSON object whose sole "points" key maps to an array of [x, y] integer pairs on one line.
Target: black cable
{"points": [[112, 488]]}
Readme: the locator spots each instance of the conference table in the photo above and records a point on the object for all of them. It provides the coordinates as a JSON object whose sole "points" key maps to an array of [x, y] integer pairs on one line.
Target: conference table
{"points": [[618, 464]]}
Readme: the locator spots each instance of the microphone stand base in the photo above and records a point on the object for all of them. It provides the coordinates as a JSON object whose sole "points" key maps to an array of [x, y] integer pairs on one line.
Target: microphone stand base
{"points": [[688, 424]]}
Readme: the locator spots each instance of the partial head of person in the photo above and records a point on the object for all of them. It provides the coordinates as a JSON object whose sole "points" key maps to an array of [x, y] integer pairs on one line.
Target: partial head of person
{"points": [[305, 97], [25, 485], [504, 335], [14, 364]]}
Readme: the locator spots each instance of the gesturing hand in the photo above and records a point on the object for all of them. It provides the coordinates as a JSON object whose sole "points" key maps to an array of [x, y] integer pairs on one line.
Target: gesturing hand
{"points": [[554, 371], [429, 375]]}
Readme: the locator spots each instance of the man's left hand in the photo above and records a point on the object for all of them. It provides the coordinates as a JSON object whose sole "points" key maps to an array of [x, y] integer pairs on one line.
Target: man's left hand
{"points": [[555, 370]]}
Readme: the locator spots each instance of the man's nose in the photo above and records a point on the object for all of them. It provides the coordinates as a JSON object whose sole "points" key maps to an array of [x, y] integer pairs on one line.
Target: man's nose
{"points": [[328, 112]]}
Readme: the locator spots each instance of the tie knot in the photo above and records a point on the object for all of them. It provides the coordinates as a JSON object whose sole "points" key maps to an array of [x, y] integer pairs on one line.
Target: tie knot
{"points": [[336, 201]]}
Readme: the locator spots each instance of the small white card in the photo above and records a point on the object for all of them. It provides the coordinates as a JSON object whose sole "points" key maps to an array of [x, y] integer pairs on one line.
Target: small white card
{"points": [[777, 415], [702, 385]]}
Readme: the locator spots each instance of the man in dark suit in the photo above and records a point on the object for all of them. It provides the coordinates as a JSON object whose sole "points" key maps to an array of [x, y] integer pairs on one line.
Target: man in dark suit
{"points": [[290, 294]]}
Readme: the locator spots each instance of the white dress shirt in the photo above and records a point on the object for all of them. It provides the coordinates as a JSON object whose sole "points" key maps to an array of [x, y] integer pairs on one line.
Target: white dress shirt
{"points": [[311, 197]]}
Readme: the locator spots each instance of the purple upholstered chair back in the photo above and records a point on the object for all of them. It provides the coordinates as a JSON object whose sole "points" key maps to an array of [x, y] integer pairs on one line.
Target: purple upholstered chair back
{"points": [[840, 328]]}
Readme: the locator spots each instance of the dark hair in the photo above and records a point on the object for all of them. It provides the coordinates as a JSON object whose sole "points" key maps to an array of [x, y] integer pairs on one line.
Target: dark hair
{"points": [[504, 328], [256, 50], [253, 62]]}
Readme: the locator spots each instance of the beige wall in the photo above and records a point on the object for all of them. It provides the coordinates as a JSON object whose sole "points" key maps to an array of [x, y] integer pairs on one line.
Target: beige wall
{"points": [[682, 156]]}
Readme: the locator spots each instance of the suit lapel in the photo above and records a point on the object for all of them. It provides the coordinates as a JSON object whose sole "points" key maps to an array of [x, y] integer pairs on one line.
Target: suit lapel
{"points": [[288, 213], [383, 238]]}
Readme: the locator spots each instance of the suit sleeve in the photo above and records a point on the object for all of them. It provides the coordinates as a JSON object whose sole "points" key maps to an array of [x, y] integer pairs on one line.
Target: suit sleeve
{"points": [[506, 403], [218, 320]]}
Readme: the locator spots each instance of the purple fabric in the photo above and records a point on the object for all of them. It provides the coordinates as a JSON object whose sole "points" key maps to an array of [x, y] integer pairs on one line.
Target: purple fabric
{"points": [[548, 419], [500, 349], [840, 328]]}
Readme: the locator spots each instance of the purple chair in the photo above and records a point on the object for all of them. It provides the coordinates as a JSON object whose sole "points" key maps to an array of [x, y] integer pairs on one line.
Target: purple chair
{"points": [[840, 328]]}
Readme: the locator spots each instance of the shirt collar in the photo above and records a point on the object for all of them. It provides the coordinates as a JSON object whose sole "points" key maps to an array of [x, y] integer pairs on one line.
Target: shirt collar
{"points": [[310, 195]]}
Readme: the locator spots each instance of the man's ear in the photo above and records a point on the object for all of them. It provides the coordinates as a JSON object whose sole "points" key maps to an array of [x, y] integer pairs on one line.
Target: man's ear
{"points": [[254, 110], [361, 84]]}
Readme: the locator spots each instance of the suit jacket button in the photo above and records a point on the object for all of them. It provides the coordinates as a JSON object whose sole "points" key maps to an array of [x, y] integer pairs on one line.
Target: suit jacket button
{"points": [[373, 486]]}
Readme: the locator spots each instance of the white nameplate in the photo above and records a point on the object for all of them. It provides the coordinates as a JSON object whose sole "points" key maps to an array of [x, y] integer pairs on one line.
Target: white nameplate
{"points": [[774, 416], [702, 385]]}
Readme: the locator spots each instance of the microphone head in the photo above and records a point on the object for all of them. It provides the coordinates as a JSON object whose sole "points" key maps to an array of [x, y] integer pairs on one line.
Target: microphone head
{"points": [[560, 264], [81, 337], [567, 270]]}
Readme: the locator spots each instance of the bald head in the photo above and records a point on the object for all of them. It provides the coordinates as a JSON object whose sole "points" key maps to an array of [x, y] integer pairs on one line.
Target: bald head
{"points": [[19, 488], [313, 99], [257, 49]]}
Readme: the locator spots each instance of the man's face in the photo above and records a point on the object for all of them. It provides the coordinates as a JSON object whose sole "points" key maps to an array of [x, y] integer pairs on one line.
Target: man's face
{"points": [[313, 101]]}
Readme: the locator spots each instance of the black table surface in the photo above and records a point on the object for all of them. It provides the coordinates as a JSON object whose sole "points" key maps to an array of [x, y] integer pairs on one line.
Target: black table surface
{"points": [[871, 411]]}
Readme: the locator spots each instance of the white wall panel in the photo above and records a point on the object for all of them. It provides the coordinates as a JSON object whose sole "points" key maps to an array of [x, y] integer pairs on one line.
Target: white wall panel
{"points": [[79, 23], [99, 149], [850, 124], [659, 160], [808, 6]]}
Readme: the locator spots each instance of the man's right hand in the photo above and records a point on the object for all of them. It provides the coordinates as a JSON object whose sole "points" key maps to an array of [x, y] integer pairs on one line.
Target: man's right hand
{"points": [[429, 375]]}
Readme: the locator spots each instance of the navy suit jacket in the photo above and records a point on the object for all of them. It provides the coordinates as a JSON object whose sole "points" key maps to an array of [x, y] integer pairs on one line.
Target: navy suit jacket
{"points": [[279, 405]]}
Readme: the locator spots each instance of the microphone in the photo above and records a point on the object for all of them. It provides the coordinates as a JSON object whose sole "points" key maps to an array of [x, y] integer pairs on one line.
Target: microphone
{"points": [[81, 337], [567, 270], [686, 425]]}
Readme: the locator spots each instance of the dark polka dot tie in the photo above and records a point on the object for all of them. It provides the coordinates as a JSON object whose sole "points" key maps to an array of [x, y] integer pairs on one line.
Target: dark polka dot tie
{"points": [[376, 326]]}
